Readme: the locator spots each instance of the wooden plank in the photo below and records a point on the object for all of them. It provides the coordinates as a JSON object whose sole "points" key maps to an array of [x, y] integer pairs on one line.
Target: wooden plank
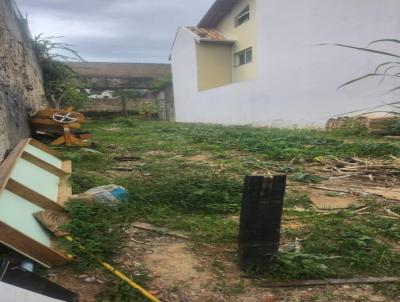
{"points": [[42, 164], [33, 196], [301, 283], [67, 136], [8, 164], [64, 191], [260, 220], [45, 148], [37, 123], [67, 166], [30, 248]]}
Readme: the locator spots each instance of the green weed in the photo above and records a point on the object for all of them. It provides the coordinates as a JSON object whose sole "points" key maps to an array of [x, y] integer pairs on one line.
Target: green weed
{"points": [[203, 198]]}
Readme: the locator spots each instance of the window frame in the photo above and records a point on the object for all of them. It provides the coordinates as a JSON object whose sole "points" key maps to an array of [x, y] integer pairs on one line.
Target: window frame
{"points": [[247, 60], [243, 13]]}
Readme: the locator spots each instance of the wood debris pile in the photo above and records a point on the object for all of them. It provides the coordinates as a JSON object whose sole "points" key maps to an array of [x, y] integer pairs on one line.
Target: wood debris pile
{"points": [[386, 171]]}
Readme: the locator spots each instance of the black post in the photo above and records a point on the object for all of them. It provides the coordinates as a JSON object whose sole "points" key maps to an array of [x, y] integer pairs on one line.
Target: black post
{"points": [[260, 220]]}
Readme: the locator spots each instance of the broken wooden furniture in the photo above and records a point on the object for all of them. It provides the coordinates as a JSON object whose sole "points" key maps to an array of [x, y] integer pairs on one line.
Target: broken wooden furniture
{"points": [[63, 123], [260, 220], [33, 178]]}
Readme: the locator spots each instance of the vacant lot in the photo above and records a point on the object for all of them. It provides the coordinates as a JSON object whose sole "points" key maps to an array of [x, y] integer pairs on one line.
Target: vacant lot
{"points": [[341, 216]]}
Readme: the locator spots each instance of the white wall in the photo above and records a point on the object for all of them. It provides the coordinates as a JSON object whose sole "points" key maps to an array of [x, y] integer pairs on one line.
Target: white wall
{"points": [[297, 80], [10, 293], [184, 74]]}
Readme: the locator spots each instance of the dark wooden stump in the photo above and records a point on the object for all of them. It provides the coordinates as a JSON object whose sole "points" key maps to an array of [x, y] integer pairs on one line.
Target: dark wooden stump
{"points": [[260, 220]]}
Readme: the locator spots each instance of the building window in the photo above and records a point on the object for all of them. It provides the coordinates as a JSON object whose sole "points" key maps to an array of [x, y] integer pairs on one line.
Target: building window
{"points": [[244, 57], [243, 16]]}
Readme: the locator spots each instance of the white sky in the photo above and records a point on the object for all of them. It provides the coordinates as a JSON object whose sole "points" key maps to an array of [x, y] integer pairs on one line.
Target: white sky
{"points": [[114, 30]]}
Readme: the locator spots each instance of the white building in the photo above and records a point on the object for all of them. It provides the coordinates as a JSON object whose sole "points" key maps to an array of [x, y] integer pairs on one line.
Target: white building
{"points": [[260, 62]]}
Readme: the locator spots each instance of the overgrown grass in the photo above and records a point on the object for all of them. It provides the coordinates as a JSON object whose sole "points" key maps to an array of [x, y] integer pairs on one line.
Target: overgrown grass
{"points": [[202, 197], [340, 246]]}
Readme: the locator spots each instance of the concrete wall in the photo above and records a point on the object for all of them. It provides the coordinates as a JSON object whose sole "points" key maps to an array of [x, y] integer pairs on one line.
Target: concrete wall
{"points": [[21, 90], [109, 76], [184, 75], [114, 106], [297, 80], [165, 101], [214, 61], [246, 37]]}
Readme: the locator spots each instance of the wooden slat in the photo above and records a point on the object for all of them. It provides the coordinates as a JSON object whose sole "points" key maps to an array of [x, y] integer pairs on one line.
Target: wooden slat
{"points": [[33, 196], [29, 247], [46, 149], [37, 123], [66, 166], [64, 191], [308, 283], [9, 163], [43, 164]]}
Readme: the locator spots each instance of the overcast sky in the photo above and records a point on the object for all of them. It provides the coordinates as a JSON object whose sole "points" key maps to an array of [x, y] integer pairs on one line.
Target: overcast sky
{"points": [[114, 30]]}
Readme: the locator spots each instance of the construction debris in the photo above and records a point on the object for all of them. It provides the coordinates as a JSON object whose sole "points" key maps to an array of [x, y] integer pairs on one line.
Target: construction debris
{"points": [[325, 202], [53, 221], [373, 124], [127, 158], [384, 192], [386, 171], [309, 283], [108, 194], [151, 228]]}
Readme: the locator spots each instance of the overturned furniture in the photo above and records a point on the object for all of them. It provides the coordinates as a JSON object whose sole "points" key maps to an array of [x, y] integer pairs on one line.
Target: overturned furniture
{"points": [[33, 178], [65, 124]]}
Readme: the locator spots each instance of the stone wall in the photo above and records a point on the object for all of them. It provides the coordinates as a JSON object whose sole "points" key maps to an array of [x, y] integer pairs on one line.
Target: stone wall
{"points": [[21, 89]]}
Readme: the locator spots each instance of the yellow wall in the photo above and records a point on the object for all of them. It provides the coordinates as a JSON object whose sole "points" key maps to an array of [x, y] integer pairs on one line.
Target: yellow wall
{"points": [[245, 35], [214, 65]]}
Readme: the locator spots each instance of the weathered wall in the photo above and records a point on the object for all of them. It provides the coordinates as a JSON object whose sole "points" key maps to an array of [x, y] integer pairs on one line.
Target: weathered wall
{"points": [[21, 89], [112, 76], [165, 101], [112, 106]]}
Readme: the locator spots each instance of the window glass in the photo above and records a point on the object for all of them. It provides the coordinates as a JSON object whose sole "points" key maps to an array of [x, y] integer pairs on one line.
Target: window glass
{"points": [[243, 16], [244, 57]]}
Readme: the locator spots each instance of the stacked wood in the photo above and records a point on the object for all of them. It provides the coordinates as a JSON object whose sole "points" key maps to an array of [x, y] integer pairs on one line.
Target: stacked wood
{"points": [[380, 170], [373, 124]]}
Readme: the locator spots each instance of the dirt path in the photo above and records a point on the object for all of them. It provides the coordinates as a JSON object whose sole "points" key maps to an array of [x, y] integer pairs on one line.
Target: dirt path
{"points": [[182, 272]]}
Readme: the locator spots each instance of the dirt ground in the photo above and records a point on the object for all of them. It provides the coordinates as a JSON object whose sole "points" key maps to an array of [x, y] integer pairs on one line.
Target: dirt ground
{"points": [[182, 271]]}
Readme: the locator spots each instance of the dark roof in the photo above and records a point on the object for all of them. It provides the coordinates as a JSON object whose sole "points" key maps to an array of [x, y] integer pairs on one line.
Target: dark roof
{"points": [[208, 35], [121, 70], [217, 11]]}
